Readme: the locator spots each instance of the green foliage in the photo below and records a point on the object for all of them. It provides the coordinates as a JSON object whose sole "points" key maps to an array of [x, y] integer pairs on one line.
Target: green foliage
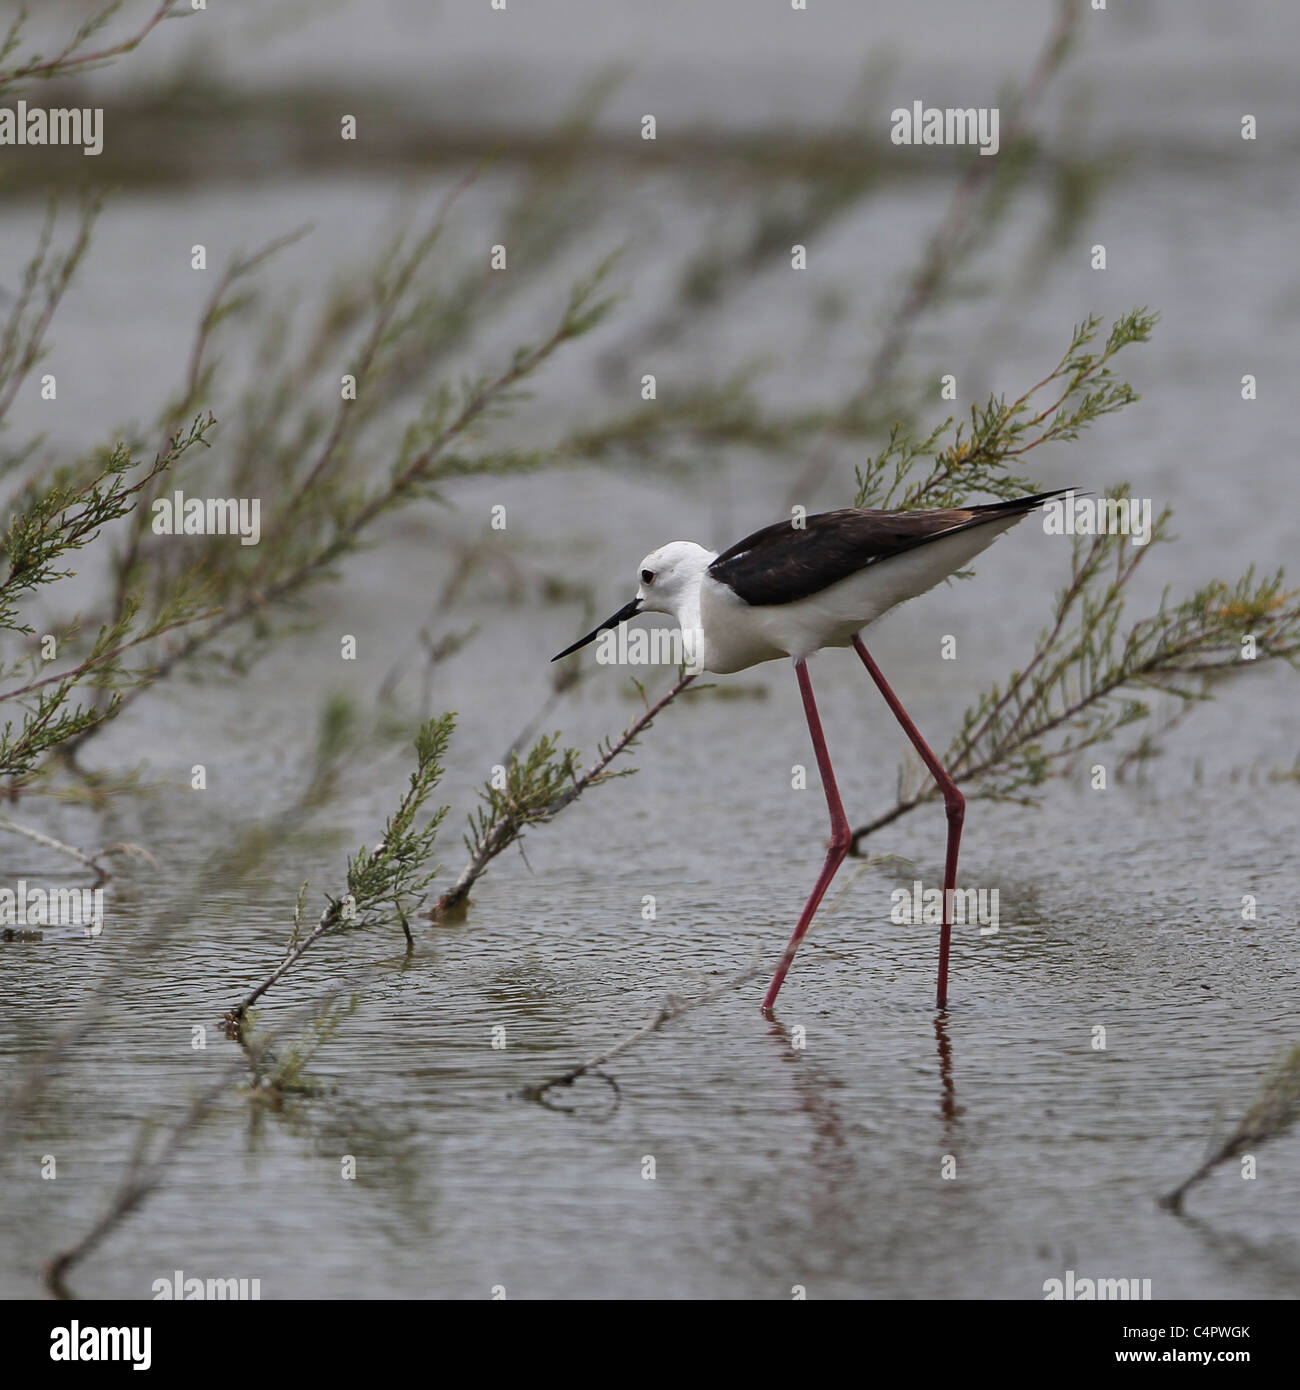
{"points": [[67, 513], [389, 879], [532, 785], [1081, 388], [1089, 672], [74, 57], [537, 788], [48, 521], [384, 883], [46, 278], [1086, 663], [303, 461]]}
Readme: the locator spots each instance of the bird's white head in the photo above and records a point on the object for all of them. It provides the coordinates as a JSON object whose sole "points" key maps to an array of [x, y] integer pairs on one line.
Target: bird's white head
{"points": [[669, 582], [670, 579]]}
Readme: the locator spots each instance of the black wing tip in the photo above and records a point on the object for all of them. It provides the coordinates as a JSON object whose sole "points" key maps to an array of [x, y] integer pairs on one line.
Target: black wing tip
{"points": [[1028, 503], [1037, 498]]}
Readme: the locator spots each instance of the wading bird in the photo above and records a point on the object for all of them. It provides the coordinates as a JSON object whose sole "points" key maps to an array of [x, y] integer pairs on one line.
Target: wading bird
{"points": [[796, 587]]}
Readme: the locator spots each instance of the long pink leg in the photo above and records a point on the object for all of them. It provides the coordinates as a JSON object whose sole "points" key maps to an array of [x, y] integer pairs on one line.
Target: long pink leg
{"points": [[841, 836], [954, 802]]}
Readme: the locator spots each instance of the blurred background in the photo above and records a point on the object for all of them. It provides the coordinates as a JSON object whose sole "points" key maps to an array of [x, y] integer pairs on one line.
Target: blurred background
{"points": [[522, 128]]}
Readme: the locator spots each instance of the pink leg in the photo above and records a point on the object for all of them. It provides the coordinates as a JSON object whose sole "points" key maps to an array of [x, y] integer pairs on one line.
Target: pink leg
{"points": [[840, 835], [953, 800]]}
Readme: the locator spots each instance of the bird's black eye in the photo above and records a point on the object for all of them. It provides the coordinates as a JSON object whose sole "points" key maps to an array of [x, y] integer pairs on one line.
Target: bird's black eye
{"points": [[647, 576]]}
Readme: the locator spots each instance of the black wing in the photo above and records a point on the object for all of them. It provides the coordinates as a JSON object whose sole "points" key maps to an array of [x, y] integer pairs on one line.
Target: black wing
{"points": [[784, 562]]}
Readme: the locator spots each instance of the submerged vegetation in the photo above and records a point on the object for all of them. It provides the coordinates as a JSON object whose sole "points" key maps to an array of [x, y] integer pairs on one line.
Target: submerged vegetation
{"points": [[385, 882], [1270, 1115]]}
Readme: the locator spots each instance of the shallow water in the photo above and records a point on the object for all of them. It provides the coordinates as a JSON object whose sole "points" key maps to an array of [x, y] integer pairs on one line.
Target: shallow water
{"points": [[775, 1165]]}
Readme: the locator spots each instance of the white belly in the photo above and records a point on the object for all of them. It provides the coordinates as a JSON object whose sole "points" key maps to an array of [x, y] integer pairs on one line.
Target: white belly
{"points": [[737, 636]]}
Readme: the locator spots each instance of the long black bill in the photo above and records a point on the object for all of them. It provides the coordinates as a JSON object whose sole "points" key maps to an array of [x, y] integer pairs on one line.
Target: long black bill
{"points": [[629, 610]]}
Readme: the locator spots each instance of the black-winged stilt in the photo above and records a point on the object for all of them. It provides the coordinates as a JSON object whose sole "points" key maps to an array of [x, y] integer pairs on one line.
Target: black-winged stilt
{"points": [[801, 585]]}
